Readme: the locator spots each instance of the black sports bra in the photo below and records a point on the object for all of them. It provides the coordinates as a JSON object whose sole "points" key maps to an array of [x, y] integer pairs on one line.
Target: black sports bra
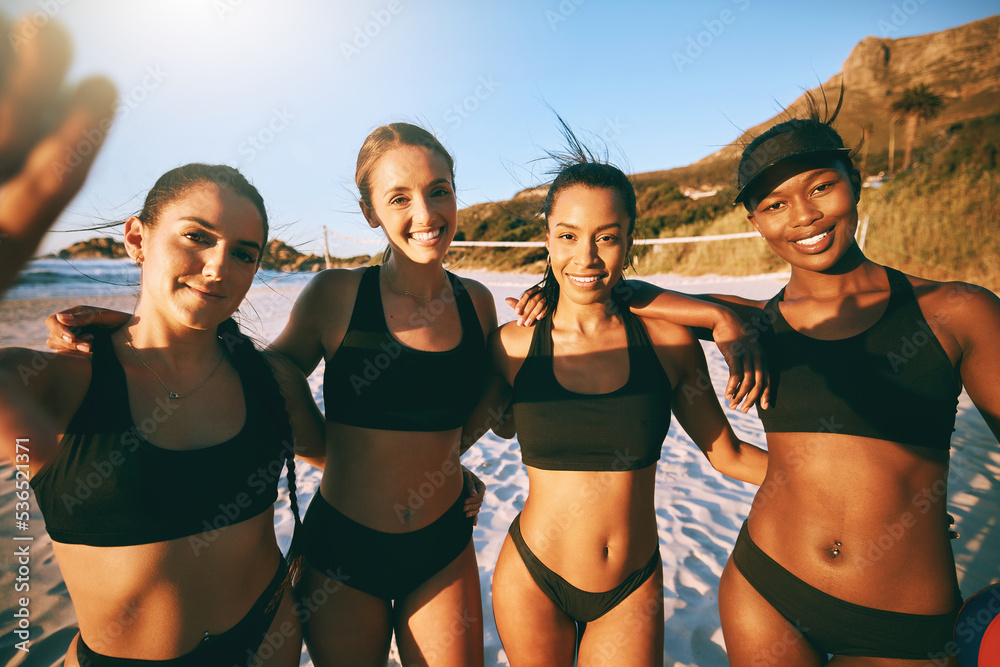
{"points": [[374, 381], [109, 486], [893, 381], [560, 429]]}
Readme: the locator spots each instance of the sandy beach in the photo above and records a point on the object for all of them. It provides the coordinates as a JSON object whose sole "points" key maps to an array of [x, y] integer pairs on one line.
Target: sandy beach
{"points": [[699, 512]]}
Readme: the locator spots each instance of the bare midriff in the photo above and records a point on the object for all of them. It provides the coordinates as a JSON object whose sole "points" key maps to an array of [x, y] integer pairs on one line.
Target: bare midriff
{"points": [[391, 481], [591, 528], [157, 601], [861, 519]]}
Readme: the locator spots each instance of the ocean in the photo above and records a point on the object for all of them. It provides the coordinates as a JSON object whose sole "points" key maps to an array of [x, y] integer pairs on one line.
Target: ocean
{"points": [[53, 277]]}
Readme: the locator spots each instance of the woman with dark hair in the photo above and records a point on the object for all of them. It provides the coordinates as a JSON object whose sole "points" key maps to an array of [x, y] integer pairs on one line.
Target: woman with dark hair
{"points": [[159, 496], [846, 548], [592, 388], [406, 363]]}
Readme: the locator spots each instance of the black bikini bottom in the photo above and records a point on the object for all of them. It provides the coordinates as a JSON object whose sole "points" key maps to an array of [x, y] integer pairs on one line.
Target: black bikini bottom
{"points": [[581, 606], [236, 646], [839, 627], [387, 565]]}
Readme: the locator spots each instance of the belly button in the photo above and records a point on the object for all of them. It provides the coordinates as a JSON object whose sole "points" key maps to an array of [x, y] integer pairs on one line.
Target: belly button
{"points": [[606, 552], [835, 549]]}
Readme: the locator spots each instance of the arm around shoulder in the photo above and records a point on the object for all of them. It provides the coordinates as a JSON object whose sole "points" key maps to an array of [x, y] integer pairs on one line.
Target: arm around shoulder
{"points": [[697, 409], [323, 305], [308, 424], [493, 410]]}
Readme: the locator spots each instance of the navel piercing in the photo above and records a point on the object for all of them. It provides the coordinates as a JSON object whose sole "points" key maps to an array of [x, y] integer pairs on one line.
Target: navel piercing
{"points": [[835, 550]]}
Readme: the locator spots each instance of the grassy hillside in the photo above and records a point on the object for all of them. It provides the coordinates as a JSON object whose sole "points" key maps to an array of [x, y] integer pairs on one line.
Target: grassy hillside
{"points": [[939, 219], [935, 220], [930, 220]]}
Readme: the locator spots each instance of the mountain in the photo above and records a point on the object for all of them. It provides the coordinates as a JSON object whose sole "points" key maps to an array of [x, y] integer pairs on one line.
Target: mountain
{"points": [[278, 255], [961, 64], [101, 247]]}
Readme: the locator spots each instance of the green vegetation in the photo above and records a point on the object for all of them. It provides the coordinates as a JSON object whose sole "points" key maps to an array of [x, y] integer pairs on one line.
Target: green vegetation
{"points": [[935, 220], [938, 220], [917, 105]]}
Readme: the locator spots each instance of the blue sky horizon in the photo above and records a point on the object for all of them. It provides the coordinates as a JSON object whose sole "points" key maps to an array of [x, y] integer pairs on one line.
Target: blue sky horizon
{"points": [[288, 91]]}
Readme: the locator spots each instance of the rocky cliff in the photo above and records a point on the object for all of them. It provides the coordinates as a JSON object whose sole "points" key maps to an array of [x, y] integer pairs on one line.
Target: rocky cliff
{"points": [[278, 255], [961, 64]]}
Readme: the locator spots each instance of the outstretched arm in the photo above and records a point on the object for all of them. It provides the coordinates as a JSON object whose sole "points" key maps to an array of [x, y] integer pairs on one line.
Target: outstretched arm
{"points": [[698, 412], [38, 136], [748, 379], [42, 166], [721, 317]]}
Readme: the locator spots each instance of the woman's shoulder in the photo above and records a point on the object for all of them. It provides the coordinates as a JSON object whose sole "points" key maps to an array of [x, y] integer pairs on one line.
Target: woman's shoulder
{"points": [[482, 299], [58, 381], [331, 290], [509, 346], [954, 297], [511, 342], [514, 337], [476, 289], [663, 332], [956, 305], [335, 279]]}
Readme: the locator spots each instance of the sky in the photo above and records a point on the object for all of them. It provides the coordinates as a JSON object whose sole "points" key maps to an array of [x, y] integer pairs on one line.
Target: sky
{"points": [[288, 90]]}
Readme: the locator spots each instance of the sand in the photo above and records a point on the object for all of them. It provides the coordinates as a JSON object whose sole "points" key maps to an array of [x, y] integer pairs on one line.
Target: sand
{"points": [[699, 511]]}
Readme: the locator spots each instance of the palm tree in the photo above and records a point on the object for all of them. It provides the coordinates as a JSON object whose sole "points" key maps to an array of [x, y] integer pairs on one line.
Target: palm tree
{"points": [[917, 104], [866, 137]]}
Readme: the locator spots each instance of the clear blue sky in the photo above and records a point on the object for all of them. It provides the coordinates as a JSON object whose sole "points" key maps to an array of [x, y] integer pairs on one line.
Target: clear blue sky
{"points": [[288, 90]]}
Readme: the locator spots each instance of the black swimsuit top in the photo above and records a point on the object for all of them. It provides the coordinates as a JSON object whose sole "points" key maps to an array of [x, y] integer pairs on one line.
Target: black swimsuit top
{"points": [[109, 486], [892, 382], [559, 429], [374, 381]]}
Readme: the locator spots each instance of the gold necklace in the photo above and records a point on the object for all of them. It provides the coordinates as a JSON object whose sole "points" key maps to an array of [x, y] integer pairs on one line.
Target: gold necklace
{"points": [[172, 394], [399, 290]]}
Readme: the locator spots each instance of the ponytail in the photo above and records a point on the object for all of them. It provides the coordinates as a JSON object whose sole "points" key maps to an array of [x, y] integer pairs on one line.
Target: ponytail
{"points": [[246, 358]]}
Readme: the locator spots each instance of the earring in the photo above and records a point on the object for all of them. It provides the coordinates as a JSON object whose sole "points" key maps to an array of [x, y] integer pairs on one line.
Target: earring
{"points": [[548, 260], [138, 262]]}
